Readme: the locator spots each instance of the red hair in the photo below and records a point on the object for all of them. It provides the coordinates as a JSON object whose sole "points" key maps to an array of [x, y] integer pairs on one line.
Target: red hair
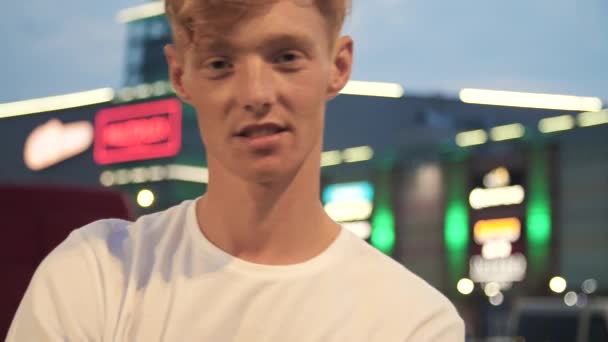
{"points": [[185, 16]]}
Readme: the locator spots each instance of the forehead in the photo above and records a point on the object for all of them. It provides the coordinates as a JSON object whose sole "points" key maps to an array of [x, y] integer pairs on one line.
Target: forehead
{"points": [[228, 12], [286, 21]]}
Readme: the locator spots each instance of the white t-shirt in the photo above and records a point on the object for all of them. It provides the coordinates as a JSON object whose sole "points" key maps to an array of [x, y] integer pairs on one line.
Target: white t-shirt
{"points": [[160, 279]]}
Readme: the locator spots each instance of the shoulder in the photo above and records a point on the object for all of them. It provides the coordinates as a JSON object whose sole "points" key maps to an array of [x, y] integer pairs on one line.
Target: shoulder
{"points": [[109, 243], [107, 229], [422, 310], [120, 237], [84, 277], [390, 274]]}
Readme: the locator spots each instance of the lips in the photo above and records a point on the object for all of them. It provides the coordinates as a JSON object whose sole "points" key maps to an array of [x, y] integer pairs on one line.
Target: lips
{"points": [[261, 130]]}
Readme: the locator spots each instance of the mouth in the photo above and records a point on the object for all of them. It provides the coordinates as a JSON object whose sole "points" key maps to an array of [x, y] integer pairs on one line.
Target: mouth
{"points": [[261, 130]]}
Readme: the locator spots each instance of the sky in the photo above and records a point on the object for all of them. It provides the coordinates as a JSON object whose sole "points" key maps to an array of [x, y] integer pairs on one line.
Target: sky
{"points": [[430, 47]]}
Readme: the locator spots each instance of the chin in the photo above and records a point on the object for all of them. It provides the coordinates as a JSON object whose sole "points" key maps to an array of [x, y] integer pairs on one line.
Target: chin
{"points": [[270, 171], [267, 175]]}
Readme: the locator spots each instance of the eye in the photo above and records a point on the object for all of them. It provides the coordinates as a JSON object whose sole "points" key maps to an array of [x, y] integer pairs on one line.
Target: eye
{"points": [[287, 57], [219, 64], [216, 68]]}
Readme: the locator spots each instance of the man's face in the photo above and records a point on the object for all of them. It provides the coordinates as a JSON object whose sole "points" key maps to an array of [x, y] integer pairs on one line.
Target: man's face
{"points": [[260, 89]]}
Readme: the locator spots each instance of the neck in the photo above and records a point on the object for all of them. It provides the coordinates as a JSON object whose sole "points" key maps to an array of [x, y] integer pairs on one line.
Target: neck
{"points": [[282, 222]]}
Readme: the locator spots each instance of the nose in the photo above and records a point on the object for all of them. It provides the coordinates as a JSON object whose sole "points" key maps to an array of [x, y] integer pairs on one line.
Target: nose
{"points": [[256, 91]]}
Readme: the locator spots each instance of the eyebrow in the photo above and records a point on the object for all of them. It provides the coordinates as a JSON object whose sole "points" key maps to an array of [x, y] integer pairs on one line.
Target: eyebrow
{"points": [[214, 43], [220, 43], [288, 39]]}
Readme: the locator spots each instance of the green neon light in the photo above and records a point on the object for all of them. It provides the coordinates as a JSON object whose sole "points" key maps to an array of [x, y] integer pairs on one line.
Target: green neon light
{"points": [[456, 226], [383, 232], [383, 219], [456, 230], [457, 215], [538, 212], [539, 223], [539, 203]]}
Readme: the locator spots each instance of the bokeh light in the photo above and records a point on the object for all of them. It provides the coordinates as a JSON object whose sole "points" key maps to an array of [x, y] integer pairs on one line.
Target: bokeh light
{"points": [[571, 298], [491, 289], [589, 286], [497, 299], [145, 198], [465, 286], [558, 284]]}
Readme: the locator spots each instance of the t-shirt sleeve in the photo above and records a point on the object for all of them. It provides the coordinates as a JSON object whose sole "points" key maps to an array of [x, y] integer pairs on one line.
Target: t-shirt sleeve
{"points": [[442, 324], [63, 300]]}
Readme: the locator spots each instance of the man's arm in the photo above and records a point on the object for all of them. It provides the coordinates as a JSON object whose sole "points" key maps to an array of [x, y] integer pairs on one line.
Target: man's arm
{"points": [[62, 302]]}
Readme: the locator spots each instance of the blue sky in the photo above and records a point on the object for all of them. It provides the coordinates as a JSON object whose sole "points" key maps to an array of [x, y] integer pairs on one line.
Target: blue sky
{"points": [[428, 46]]}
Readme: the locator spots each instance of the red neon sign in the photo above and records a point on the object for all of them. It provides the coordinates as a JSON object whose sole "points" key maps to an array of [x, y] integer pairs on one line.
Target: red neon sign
{"points": [[138, 132]]}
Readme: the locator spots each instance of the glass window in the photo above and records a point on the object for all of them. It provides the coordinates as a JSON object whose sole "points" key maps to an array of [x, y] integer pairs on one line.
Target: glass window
{"points": [[544, 326], [158, 29], [598, 331]]}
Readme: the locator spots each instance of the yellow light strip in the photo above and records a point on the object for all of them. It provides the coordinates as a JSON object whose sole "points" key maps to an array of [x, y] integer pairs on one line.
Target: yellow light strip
{"points": [[156, 173], [147, 10], [330, 158], [189, 173], [593, 118], [471, 138], [508, 229], [530, 100], [349, 155], [507, 132], [381, 89], [357, 154], [144, 91], [354, 210], [495, 197], [556, 124], [47, 104]]}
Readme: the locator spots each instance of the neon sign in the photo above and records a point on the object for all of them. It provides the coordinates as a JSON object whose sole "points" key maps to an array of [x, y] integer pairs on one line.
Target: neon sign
{"points": [[138, 132], [486, 198], [54, 142], [357, 191], [498, 192], [507, 229], [498, 253], [507, 270], [351, 204]]}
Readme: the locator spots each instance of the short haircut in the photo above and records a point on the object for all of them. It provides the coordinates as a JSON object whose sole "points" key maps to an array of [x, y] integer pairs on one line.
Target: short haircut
{"points": [[188, 16]]}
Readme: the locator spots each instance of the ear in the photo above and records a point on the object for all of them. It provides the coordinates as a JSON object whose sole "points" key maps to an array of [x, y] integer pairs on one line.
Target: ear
{"points": [[342, 64], [176, 71]]}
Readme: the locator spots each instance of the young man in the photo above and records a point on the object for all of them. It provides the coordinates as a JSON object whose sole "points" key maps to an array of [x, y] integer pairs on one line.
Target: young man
{"points": [[256, 258]]}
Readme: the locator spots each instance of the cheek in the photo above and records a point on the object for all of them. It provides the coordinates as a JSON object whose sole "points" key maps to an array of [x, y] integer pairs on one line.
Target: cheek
{"points": [[208, 104], [187, 76], [309, 92], [203, 127], [208, 124]]}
